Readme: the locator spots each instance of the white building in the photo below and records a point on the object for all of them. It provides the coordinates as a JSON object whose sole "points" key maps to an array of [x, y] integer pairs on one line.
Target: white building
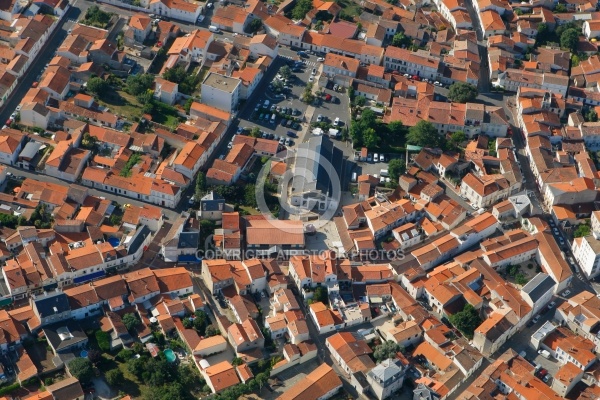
{"points": [[221, 91]]}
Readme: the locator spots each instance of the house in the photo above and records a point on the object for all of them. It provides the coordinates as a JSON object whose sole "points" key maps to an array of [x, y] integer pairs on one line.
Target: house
{"points": [[177, 9], [140, 26], [538, 291], [245, 336], [266, 237], [220, 376], [66, 162], [321, 384], [284, 30], [190, 159], [406, 61], [231, 18], [11, 144], [165, 91], [386, 378], [591, 29], [181, 242], [212, 206], [484, 191], [350, 352], [492, 23], [67, 389]]}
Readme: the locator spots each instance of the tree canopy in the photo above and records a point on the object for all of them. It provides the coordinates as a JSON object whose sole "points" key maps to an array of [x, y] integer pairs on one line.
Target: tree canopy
{"points": [[461, 92], [138, 84], [130, 321], [426, 135], [320, 295], [582, 230], [569, 39], [396, 167], [301, 8], [386, 350], [400, 40], [97, 86], [82, 369], [466, 321]]}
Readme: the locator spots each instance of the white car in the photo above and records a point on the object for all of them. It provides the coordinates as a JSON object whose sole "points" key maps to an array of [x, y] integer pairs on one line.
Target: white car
{"points": [[319, 118], [311, 79], [209, 5], [381, 158], [565, 293], [436, 83], [320, 59], [200, 18], [376, 157], [336, 121], [18, 108]]}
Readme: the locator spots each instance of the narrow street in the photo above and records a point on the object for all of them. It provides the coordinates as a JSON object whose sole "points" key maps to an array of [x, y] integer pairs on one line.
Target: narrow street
{"points": [[484, 71]]}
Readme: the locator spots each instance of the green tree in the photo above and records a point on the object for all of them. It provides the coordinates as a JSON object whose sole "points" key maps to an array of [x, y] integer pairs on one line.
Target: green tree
{"points": [[250, 196], [97, 86], [301, 8], [521, 279], [543, 33], [237, 361], [254, 26], [138, 84], [560, 8], [360, 101], [188, 104], [387, 349], [187, 323], [114, 377], [255, 132], [82, 369], [212, 330], [591, 116], [461, 92], [200, 185], [9, 221], [285, 72], [103, 340], [569, 39], [582, 230], [131, 321], [396, 168], [261, 379], [370, 138], [466, 321], [425, 134], [95, 356], [176, 74], [321, 295], [124, 355], [400, 40], [396, 129], [458, 137]]}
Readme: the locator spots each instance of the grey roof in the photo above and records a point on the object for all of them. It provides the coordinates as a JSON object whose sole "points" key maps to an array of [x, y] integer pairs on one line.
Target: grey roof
{"points": [[211, 202], [386, 372], [188, 239], [30, 150], [318, 158], [138, 239], [50, 304], [521, 202], [538, 286], [64, 335]]}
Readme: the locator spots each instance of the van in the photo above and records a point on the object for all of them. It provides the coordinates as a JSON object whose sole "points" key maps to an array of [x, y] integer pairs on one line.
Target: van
{"points": [[384, 172], [213, 29], [354, 176]]}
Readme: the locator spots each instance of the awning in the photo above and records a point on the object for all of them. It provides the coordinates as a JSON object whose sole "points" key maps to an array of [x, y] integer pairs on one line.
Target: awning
{"points": [[89, 277]]}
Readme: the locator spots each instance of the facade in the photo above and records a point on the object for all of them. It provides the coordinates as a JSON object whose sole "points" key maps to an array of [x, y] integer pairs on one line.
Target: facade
{"points": [[221, 92]]}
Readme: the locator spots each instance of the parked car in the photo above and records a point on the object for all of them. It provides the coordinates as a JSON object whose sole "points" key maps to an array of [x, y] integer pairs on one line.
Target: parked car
{"points": [[336, 121], [314, 71], [320, 59], [565, 293], [292, 134], [536, 319], [376, 157], [320, 118]]}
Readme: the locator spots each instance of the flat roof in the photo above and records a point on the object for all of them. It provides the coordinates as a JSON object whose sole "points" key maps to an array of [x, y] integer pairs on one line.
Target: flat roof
{"points": [[221, 82]]}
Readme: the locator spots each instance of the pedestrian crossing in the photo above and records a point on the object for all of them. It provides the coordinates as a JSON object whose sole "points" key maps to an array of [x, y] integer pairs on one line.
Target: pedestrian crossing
{"points": [[306, 62]]}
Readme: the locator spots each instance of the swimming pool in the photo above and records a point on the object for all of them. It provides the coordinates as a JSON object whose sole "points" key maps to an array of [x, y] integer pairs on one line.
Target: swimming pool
{"points": [[114, 242], [83, 353], [171, 357]]}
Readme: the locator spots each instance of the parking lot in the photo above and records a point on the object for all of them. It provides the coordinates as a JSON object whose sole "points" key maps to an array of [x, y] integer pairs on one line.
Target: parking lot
{"points": [[288, 106]]}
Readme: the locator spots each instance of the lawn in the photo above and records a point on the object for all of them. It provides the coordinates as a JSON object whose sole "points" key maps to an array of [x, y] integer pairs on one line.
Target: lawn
{"points": [[350, 9], [122, 104], [249, 210]]}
